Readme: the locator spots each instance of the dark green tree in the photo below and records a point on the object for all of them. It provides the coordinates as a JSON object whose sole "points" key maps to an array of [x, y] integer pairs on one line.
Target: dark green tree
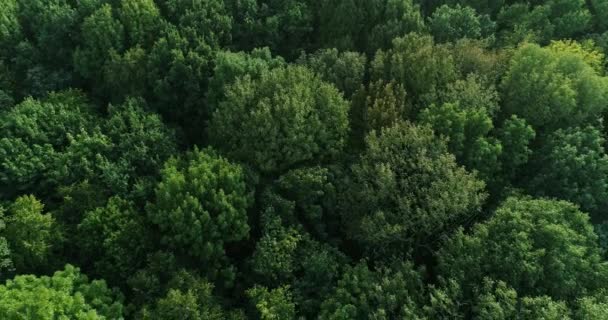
{"points": [[452, 23], [402, 64], [286, 118], [229, 66], [407, 190], [345, 70], [201, 205], [538, 247], [189, 297], [369, 25], [114, 238], [573, 165], [387, 293]]}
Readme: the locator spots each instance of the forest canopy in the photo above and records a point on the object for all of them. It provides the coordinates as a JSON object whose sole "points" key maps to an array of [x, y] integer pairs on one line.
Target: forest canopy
{"points": [[303, 159]]}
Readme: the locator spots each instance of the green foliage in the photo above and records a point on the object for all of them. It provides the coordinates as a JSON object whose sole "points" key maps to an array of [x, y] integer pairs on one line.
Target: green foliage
{"points": [[555, 19], [273, 304], [368, 25], [274, 255], [200, 207], [386, 293], [115, 237], [538, 247], [572, 165], [141, 20], [313, 194], [592, 308], [515, 136], [285, 118], [599, 8], [338, 148], [6, 263], [190, 297], [102, 34], [467, 130], [453, 23], [205, 20], [125, 153], [284, 26], [543, 308], [178, 71], [378, 106], [552, 90], [125, 74], [67, 294], [406, 191], [229, 66], [345, 70], [417, 63], [30, 234]]}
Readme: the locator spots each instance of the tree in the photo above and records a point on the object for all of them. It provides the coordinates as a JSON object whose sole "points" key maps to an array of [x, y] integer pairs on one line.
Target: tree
{"points": [[179, 67], [311, 194], [7, 87], [387, 293], [189, 297], [201, 205], [377, 106], [522, 22], [591, 307], [41, 57], [489, 7], [272, 304], [585, 50], [406, 191], [67, 293], [102, 34], [30, 234], [206, 20], [467, 130], [122, 154], [275, 253], [10, 29], [538, 247], [570, 17], [125, 75], [284, 26], [229, 66], [286, 118], [114, 239], [453, 23], [345, 70], [552, 90], [515, 137], [573, 165], [401, 64], [541, 22], [141, 20], [369, 25], [600, 16], [6, 263]]}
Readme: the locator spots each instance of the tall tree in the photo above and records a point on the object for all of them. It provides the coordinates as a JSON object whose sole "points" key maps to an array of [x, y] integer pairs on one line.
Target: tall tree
{"points": [[67, 293], [538, 247], [407, 190], [552, 89], [286, 118], [200, 207]]}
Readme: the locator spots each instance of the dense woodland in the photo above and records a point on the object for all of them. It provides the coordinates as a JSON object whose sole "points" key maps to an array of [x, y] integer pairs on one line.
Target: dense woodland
{"points": [[303, 159]]}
